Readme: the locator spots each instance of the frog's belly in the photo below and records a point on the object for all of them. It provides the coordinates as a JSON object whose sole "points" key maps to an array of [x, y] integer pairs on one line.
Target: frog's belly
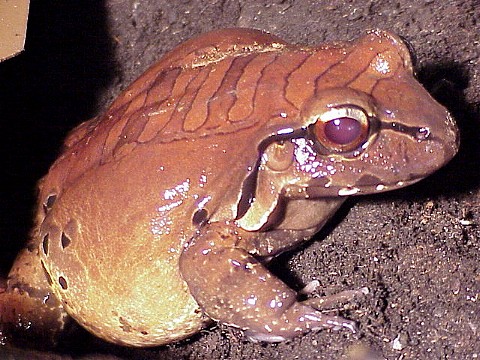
{"points": [[148, 304], [116, 265]]}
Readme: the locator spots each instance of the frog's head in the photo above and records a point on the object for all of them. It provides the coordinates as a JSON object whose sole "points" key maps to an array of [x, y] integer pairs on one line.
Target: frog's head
{"points": [[366, 125], [380, 130]]}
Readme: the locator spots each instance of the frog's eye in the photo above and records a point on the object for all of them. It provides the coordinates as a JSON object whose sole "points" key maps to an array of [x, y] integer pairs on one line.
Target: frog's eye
{"points": [[342, 129]]}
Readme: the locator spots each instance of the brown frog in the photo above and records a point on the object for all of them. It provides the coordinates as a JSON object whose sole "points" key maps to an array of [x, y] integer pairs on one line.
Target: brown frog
{"points": [[161, 214]]}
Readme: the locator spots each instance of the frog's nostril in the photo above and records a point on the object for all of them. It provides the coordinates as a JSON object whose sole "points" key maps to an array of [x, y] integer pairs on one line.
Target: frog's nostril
{"points": [[423, 133], [199, 217]]}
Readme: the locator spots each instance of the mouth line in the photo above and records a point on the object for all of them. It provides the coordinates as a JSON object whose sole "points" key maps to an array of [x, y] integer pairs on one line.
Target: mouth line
{"points": [[319, 191]]}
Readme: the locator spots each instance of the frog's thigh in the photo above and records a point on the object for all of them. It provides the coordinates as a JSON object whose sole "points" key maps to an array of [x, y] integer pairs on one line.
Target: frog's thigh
{"points": [[29, 312], [234, 288]]}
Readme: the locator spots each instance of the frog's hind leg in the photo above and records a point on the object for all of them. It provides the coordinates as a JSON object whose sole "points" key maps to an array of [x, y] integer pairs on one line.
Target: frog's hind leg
{"points": [[233, 287], [30, 314]]}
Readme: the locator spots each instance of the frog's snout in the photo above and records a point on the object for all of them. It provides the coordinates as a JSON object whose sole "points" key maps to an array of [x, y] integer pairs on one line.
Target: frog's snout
{"points": [[442, 142], [452, 138]]}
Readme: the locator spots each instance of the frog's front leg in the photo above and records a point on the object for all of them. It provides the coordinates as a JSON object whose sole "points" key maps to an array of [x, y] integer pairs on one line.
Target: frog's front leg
{"points": [[233, 287]]}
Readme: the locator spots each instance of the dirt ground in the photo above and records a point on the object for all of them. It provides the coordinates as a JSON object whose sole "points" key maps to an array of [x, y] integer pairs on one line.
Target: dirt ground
{"points": [[417, 249]]}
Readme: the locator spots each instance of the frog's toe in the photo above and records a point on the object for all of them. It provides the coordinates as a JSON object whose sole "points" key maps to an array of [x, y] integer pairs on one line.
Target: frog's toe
{"points": [[334, 300], [256, 336], [336, 323], [301, 314]]}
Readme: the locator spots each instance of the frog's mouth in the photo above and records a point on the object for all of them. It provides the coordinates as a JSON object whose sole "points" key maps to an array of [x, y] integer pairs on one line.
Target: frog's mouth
{"points": [[319, 191]]}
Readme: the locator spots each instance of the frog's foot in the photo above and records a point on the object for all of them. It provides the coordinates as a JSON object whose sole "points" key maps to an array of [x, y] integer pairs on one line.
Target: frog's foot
{"points": [[333, 300], [323, 319], [236, 289], [26, 320], [30, 315], [300, 314]]}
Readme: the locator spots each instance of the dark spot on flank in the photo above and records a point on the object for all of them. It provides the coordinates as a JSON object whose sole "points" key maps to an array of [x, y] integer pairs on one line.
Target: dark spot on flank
{"points": [[69, 232], [47, 275], [125, 326], [45, 244], [47, 205], [144, 332], [63, 283], [199, 217], [65, 240]]}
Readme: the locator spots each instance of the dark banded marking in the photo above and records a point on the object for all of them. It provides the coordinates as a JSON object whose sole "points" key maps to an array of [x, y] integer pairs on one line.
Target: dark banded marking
{"points": [[249, 119], [246, 85], [224, 98], [191, 118]]}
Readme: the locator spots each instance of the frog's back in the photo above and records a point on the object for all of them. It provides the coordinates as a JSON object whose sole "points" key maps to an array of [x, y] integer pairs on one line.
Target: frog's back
{"points": [[217, 84]]}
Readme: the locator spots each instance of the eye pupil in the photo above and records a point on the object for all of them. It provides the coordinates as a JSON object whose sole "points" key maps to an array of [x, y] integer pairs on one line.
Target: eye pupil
{"points": [[342, 131]]}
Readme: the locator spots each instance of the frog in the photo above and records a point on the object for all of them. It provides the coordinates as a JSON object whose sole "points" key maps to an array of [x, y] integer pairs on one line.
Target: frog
{"points": [[162, 214]]}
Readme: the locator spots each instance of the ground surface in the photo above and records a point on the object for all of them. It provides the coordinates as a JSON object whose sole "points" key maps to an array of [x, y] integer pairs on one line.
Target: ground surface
{"points": [[417, 249]]}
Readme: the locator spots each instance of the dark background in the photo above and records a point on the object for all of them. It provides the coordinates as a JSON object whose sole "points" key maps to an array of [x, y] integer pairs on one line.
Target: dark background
{"points": [[416, 249]]}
